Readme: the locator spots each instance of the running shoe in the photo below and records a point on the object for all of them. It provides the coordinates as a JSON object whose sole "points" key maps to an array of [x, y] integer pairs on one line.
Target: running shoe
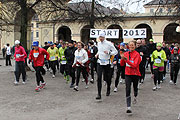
{"points": [[43, 85], [98, 97], [159, 86], [175, 83], [86, 86], [107, 93], [16, 83], [129, 111], [72, 85], [83, 80], [170, 82], [121, 81], [53, 76], [76, 88], [23, 82], [115, 89], [104, 83], [37, 89], [134, 101], [92, 81], [154, 88]]}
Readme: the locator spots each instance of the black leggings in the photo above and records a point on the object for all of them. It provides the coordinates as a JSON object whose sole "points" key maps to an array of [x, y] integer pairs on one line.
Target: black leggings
{"points": [[142, 71], [131, 79], [165, 64], [53, 66], [158, 76], [8, 60], [93, 66], [39, 72], [84, 73], [70, 71], [174, 73], [20, 68], [120, 71], [100, 70]]}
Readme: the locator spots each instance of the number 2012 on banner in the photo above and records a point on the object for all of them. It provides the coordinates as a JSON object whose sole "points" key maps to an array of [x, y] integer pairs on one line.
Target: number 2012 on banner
{"points": [[134, 33]]}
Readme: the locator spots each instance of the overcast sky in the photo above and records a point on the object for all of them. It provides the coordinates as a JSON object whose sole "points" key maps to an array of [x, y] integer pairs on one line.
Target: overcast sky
{"points": [[127, 5]]}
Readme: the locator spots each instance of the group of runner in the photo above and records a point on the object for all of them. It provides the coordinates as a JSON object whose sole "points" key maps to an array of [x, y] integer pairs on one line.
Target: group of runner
{"points": [[103, 57]]}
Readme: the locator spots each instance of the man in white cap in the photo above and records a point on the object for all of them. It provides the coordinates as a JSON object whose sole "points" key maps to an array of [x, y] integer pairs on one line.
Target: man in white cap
{"points": [[19, 56], [105, 50]]}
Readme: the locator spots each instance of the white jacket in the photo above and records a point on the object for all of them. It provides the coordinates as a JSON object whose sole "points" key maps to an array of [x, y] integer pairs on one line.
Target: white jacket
{"points": [[104, 58], [8, 50], [80, 56]]}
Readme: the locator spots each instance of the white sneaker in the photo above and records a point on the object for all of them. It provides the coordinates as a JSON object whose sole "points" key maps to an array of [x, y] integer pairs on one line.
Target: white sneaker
{"points": [[121, 81], [158, 86], [23, 83], [171, 82], [83, 80], [115, 89], [76, 88], [53, 76], [86, 86], [154, 88], [164, 78], [104, 83], [16, 83]]}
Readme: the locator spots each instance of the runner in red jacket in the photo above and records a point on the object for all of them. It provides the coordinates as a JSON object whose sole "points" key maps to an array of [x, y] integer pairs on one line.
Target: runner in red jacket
{"points": [[19, 56], [37, 55], [132, 60]]}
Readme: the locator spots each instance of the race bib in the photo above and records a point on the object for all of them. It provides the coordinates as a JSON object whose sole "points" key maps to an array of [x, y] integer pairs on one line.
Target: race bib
{"points": [[92, 51], [63, 62], [17, 55], [52, 58], [158, 60], [119, 61], [128, 64], [35, 55], [141, 57], [78, 57], [103, 62]]}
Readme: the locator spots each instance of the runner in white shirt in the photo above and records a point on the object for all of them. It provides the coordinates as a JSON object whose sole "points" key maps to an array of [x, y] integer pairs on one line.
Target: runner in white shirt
{"points": [[81, 57], [105, 50], [8, 55]]}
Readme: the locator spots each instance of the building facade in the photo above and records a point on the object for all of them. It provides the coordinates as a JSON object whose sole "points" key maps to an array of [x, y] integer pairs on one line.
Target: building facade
{"points": [[161, 27]]}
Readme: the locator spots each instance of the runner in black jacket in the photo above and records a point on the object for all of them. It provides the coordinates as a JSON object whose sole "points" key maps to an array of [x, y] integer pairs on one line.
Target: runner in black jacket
{"points": [[69, 54]]}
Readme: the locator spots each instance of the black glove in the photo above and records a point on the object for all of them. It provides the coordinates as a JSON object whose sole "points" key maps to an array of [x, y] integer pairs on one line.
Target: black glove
{"points": [[159, 57], [29, 61]]}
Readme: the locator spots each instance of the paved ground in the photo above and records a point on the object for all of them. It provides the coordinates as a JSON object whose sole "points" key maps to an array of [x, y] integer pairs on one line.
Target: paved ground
{"points": [[59, 102]]}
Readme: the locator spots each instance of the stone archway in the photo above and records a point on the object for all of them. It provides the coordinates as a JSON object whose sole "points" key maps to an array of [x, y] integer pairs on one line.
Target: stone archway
{"points": [[64, 33], [170, 34], [115, 26], [148, 32], [17, 26], [85, 34]]}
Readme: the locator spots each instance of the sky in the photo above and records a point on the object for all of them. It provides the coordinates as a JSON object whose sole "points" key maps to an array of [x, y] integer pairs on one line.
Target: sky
{"points": [[131, 6]]}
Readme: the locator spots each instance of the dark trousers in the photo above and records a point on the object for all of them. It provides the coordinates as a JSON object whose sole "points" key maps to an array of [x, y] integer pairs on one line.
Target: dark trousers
{"points": [[93, 67], [100, 70], [8, 60], [63, 68], [142, 71], [158, 76], [164, 73], [39, 72], [46, 62], [131, 79], [57, 63], [84, 73], [71, 72], [53, 66], [151, 66], [120, 71], [20, 68], [174, 73]]}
